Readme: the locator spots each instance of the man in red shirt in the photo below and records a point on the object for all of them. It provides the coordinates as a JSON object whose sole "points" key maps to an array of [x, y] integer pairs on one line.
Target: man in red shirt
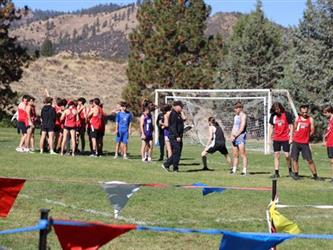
{"points": [[280, 130], [328, 137], [304, 128]]}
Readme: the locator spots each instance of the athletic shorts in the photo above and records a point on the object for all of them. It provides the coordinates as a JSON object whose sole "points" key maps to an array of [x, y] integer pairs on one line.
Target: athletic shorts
{"points": [[21, 128], [304, 148], [221, 148], [70, 128], [148, 138], [95, 134], [241, 139], [45, 129], [81, 130], [330, 152], [58, 129], [122, 136], [284, 145]]}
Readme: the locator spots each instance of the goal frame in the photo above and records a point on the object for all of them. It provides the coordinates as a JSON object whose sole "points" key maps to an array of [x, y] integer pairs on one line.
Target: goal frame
{"points": [[266, 94]]}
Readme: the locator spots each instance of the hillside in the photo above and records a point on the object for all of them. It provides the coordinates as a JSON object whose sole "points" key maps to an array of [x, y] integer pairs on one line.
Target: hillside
{"points": [[72, 77], [103, 33]]}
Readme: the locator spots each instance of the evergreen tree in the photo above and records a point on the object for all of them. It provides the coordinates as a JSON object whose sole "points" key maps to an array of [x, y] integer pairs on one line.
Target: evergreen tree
{"points": [[12, 56], [168, 49], [253, 53], [47, 48], [309, 74]]}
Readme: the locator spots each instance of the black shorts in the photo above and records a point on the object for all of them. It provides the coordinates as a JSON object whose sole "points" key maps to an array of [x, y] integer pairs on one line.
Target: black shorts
{"points": [[221, 148], [21, 128], [284, 145], [296, 148], [95, 134], [70, 128], [330, 152], [89, 132], [45, 129]]}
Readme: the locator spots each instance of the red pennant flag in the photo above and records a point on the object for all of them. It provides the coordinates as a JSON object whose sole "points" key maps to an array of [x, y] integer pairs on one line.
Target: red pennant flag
{"points": [[9, 189], [74, 235]]}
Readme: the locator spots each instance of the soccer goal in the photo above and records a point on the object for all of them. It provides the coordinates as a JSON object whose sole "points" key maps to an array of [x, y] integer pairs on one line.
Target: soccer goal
{"points": [[219, 103]]}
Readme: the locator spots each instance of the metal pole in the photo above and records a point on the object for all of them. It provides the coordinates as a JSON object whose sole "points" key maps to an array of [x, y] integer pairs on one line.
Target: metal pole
{"points": [[274, 189], [44, 214]]}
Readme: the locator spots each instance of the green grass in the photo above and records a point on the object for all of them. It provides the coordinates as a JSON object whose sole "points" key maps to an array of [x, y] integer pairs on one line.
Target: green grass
{"points": [[74, 182]]}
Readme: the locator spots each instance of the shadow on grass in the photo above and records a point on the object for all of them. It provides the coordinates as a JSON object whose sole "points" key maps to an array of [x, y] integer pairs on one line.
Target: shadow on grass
{"points": [[199, 170], [189, 164], [255, 173]]}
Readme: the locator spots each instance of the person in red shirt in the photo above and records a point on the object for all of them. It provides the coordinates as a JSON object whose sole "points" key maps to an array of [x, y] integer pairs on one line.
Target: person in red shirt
{"points": [[328, 137], [70, 116], [96, 115], [280, 130], [303, 129], [23, 124], [59, 125], [81, 130]]}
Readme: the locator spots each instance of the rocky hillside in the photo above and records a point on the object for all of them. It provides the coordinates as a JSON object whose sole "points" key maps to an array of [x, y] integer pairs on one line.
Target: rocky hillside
{"points": [[101, 33], [73, 77]]}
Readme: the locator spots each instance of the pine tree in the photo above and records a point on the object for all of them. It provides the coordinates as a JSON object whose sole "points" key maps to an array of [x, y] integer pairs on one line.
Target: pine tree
{"points": [[168, 49], [309, 75], [47, 49], [253, 53], [12, 56]]}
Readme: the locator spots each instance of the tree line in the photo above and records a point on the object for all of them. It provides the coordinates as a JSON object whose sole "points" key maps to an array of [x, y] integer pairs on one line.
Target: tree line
{"points": [[168, 49]]}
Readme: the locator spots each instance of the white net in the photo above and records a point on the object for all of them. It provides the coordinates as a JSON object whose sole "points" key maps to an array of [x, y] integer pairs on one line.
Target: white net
{"points": [[199, 109], [199, 105]]}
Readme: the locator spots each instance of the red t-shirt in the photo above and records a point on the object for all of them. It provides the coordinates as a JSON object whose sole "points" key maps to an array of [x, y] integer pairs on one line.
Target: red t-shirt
{"points": [[96, 120], [329, 133], [281, 126], [302, 130], [70, 119]]}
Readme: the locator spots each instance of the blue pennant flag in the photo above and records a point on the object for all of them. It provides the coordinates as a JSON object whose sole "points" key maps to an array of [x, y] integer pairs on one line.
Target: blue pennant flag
{"points": [[207, 190], [247, 241]]}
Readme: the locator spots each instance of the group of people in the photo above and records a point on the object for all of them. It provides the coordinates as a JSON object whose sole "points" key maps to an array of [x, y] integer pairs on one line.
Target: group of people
{"points": [[63, 125], [65, 122]]}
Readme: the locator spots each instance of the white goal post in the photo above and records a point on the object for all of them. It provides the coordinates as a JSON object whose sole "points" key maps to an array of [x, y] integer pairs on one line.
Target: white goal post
{"points": [[258, 100]]}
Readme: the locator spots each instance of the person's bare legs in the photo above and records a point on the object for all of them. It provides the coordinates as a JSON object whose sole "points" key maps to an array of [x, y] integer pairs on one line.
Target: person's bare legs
{"points": [[243, 155], [41, 142]]}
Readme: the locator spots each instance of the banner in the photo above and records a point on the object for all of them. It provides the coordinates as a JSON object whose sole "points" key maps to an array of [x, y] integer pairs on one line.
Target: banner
{"points": [[119, 193], [74, 235], [9, 189]]}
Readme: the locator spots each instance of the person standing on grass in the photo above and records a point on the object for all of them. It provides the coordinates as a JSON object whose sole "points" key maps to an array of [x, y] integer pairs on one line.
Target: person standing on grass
{"points": [[161, 141], [70, 117], [123, 129], [303, 129], [176, 130], [22, 124], [216, 142], [146, 130], [328, 137], [280, 130], [48, 117], [82, 113], [95, 115], [238, 138], [165, 125], [32, 118]]}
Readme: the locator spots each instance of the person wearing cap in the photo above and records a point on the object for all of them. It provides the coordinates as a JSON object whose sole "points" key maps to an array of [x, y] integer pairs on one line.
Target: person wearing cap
{"points": [[176, 130]]}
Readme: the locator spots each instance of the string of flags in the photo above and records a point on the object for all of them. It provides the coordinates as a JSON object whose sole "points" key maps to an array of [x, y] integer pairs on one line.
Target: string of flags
{"points": [[86, 235], [74, 235]]}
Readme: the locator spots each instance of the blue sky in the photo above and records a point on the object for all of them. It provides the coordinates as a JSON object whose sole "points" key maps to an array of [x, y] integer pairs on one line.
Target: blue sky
{"points": [[284, 12]]}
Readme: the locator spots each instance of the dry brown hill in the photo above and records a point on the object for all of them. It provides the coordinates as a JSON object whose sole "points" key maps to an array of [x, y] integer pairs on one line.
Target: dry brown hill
{"points": [[73, 77], [104, 33]]}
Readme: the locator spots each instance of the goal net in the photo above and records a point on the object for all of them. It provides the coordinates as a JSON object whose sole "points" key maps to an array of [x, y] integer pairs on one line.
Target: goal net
{"points": [[199, 105]]}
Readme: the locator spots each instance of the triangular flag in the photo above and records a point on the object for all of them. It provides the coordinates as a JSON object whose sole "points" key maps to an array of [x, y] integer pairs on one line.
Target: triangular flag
{"points": [[9, 189], [119, 193], [207, 190], [281, 223], [242, 241], [74, 235]]}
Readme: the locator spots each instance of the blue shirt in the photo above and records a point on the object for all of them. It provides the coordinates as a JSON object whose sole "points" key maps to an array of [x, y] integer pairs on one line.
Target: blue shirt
{"points": [[123, 119]]}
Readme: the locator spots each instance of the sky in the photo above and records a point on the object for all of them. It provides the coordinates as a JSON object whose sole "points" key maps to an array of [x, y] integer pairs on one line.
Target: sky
{"points": [[284, 12]]}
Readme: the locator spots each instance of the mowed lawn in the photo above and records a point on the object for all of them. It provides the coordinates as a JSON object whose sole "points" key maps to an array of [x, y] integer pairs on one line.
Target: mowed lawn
{"points": [[70, 188]]}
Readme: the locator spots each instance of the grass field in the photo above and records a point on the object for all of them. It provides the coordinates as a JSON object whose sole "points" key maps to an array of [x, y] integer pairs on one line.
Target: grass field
{"points": [[69, 187]]}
